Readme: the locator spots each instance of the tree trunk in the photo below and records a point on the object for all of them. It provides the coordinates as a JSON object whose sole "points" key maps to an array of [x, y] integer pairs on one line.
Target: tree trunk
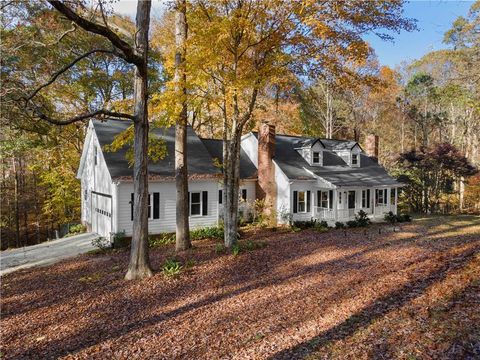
{"points": [[17, 207], [181, 170], [231, 192], [139, 266]]}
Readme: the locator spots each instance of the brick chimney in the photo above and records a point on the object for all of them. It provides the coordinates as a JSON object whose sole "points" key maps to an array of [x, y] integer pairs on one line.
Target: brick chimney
{"points": [[371, 146], [266, 187]]}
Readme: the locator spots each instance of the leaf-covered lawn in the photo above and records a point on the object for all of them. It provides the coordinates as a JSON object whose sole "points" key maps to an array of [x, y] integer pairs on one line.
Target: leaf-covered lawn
{"points": [[412, 294]]}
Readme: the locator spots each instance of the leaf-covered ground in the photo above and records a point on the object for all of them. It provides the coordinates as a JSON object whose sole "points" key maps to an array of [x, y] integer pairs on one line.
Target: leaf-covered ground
{"points": [[412, 294]]}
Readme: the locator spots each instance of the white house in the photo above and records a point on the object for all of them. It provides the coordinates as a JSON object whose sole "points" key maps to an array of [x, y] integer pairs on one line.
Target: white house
{"points": [[304, 177], [324, 179]]}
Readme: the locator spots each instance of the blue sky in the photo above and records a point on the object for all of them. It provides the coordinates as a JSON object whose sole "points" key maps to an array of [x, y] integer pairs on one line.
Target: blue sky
{"points": [[434, 19]]}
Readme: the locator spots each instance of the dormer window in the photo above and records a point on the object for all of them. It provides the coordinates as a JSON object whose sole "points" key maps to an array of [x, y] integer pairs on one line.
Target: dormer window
{"points": [[316, 157], [355, 160]]}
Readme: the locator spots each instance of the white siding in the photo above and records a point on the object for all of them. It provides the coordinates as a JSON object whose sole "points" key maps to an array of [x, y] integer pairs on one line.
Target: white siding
{"points": [[304, 186], [283, 191], [93, 177], [250, 146], [167, 220]]}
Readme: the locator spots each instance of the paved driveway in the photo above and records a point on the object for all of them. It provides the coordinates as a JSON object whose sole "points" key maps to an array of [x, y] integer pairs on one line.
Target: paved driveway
{"points": [[45, 253]]}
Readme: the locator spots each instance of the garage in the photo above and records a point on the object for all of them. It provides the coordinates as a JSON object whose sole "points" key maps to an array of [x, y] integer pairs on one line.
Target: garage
{"points": [[101, 214]]}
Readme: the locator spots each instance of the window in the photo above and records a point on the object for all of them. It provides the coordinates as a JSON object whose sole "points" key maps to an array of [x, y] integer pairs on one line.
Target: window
{"points": [[195, 204], [244, 194], [354, 159], [381, 196], [316, 157], [95, 155], [220, 196], [339, 197], [392, 196], [85, 194], [153, 206], [324, 199], [302, 202], [366, 198]]}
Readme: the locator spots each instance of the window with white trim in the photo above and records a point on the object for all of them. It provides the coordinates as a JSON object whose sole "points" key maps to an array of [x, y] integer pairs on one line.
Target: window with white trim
{"points": [[95, 155], [340, 197], [355, 160], [316, 157], [366, 198], [302, 202], [324, 199], [381, 196], [195, 203]]}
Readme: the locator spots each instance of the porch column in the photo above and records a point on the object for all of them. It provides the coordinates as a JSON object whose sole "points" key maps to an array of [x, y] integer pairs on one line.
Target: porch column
{"points": [[374, 198], [335, 204], [396, 200]]}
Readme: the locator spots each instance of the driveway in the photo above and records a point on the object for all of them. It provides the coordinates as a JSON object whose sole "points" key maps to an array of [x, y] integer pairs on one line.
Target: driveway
{"points": [[45, 253]]}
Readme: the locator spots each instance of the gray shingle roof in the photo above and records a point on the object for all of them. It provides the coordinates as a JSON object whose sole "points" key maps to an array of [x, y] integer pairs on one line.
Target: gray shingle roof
{"points": [[334, 169], [247, 167], [199, 160]]}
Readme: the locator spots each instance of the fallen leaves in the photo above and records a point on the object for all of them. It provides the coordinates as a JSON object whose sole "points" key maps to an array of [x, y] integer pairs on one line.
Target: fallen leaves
{"points": [[413, 293]]}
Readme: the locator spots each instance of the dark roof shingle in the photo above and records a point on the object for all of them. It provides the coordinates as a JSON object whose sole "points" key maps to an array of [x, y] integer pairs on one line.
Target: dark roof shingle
{"points": [[247, 168], [199, 160], [334, 169]]}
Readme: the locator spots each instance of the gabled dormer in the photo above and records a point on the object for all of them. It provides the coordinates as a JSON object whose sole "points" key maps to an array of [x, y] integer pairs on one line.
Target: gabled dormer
{"points": [[311, 150], [350, 153]]}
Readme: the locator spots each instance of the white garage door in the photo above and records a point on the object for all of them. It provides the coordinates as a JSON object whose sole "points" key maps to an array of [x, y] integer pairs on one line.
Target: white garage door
{"points": [[102, 214]]}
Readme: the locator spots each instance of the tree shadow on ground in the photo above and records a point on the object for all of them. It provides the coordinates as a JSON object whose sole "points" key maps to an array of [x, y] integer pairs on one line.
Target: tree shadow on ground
{"points": [[233, 281], [92, 336], [379, 308]]}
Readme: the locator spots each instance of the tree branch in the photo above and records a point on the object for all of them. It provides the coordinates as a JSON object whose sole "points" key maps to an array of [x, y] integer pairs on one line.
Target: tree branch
{"points": [[65, 68], [99, 113], [128, 51]]}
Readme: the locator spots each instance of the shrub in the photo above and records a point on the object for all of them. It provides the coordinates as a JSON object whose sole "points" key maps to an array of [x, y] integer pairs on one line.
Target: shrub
{"points": [[339, 225], [120, 240], [362, 219], [171, 268], [213, 232], [391, 218], [161, 239], [302, 224], [352, 224], [404, 218], [101, 243], [76, 229], [324, 224]]}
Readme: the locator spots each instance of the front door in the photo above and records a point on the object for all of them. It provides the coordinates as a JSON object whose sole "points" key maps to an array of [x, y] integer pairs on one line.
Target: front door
{"points": [[351, 199]]}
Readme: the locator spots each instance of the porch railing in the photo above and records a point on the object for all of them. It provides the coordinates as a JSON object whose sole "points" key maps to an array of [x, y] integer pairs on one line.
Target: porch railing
{"points": [[324, 213], [381, 210]]}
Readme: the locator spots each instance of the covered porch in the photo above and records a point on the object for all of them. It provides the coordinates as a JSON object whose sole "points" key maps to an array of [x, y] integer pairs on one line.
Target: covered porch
{"points": [[344, 203]]}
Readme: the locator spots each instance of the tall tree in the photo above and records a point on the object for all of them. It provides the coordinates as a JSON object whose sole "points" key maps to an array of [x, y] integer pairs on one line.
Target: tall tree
{"points": [[239, 48], [181, 170], [137, 55]]}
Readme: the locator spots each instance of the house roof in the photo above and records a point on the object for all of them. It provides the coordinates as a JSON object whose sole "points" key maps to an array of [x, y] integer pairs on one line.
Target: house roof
{"points": [[199, 160], [247, 167], [334, 169]]}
